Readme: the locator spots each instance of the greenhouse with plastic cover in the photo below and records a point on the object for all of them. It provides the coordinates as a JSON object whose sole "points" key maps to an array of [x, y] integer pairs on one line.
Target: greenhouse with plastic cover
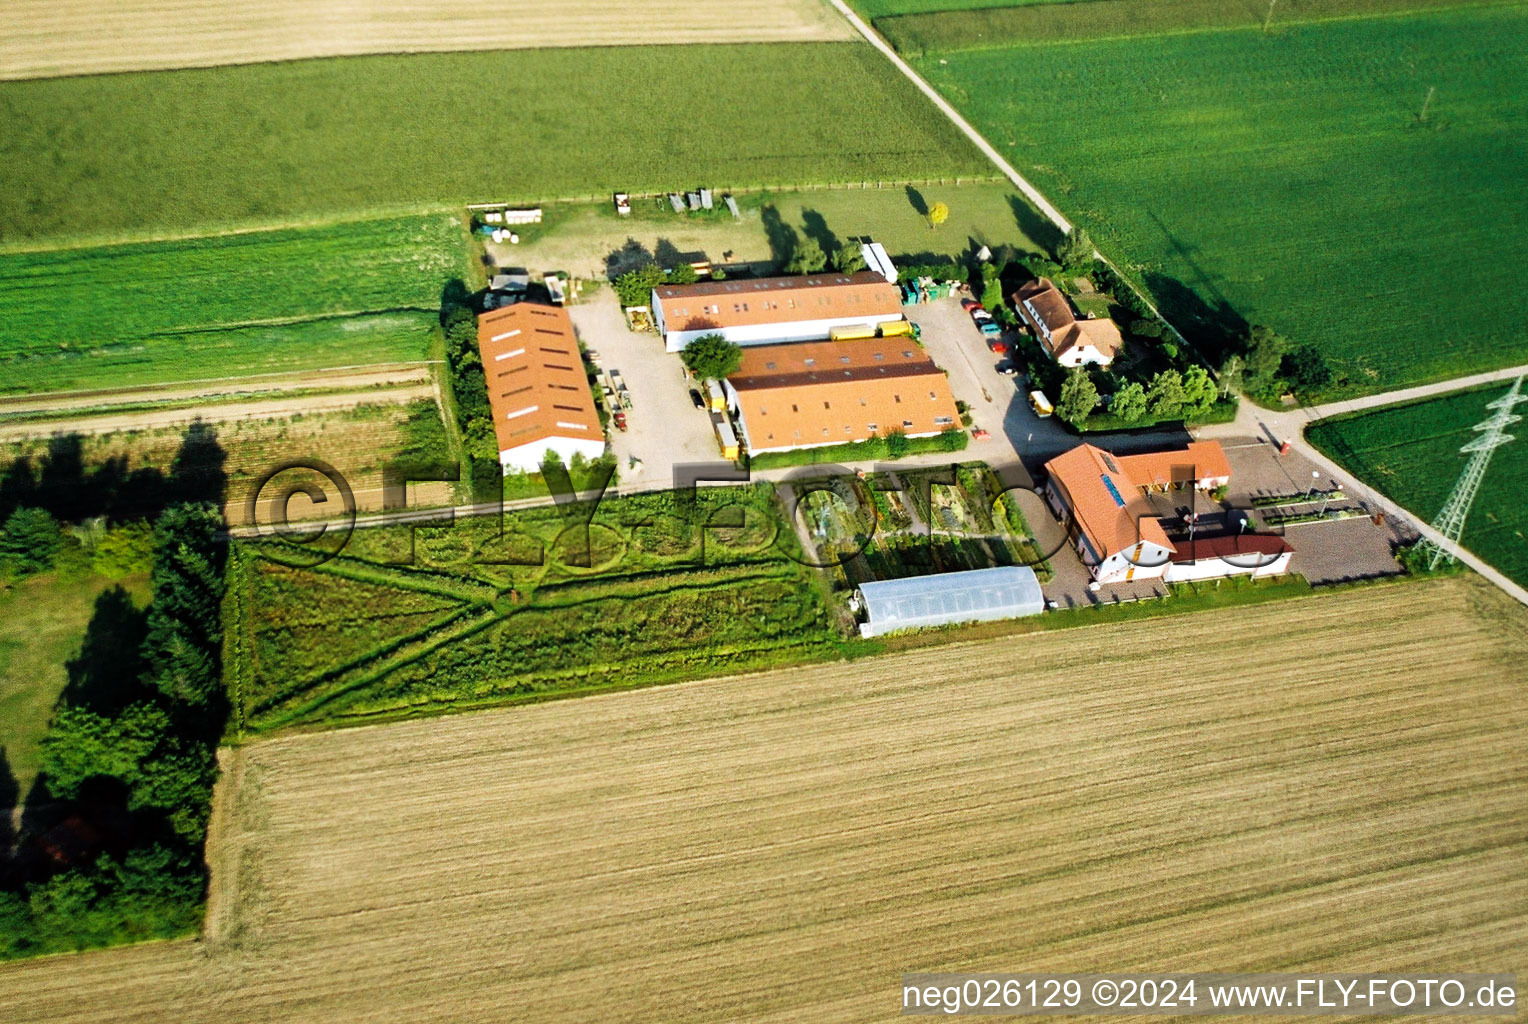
{"points": [[976, 595]]}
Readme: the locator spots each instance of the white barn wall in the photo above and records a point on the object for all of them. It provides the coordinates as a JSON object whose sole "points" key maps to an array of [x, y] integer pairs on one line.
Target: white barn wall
{"points": [[527, 458]]}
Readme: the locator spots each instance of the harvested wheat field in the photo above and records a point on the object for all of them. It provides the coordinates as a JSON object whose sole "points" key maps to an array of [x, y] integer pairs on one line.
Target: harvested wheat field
{"points": [[1350, 792], [43, 37]]}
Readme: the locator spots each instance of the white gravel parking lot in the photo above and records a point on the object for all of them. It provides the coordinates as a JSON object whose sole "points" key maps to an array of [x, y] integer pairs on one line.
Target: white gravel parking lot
{"points": [[664, 429]]}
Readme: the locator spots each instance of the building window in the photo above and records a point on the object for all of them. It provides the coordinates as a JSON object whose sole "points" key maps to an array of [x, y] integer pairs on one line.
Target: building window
{"points": [[794, 408], [898, 398], [825, 405], [942, 421], [907, 424], [763, 411], [931, 396], [907, 355], [769, 437], [769, 366], [880, 356], [737, 307], [824, 431], [798, 435], [863, 403], [872, 427], [811, 362], [847, 428]]}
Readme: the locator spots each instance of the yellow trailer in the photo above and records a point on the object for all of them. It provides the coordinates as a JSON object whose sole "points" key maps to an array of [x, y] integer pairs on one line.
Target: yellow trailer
{"points": [[853, 332], [897, 329], [1040, 403], [727, 440]]}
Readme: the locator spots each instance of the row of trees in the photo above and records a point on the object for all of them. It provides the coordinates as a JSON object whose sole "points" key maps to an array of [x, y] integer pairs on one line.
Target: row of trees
{"points": [[130, 757]]}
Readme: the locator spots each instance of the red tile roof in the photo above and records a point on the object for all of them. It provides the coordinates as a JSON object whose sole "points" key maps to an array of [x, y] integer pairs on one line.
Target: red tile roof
{"points": [[773, 300], [835, 391], [537, 385]]}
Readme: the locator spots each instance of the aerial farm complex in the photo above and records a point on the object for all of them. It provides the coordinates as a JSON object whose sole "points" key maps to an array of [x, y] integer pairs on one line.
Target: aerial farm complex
{"points": [[722, 513]]}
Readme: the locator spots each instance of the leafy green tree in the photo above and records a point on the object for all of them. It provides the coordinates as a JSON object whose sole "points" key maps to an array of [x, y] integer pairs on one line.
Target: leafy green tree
{"points": [[81, 744], [807, 258], [1129, 402], [1198, 391], [992, 287], [1266, 349], [635, 287], [897, 444], [1164, 396], [1146, 328], [1231, 373], [848, 259], [1075, 251], [682, 273], [1079, 395], [1306, 370], [29, 541], [124, 550], [712, 357]]}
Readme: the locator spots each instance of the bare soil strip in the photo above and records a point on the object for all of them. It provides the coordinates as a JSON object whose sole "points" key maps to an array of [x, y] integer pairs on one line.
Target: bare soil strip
{"points": [[336, 379], [174, 415], [43, 38], [1339, 782]]}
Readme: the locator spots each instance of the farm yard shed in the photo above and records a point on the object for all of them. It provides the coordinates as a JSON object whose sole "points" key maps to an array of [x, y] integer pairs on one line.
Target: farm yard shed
{"points": [[537, 387], [806, 395], [976, 595], [773, 309]]}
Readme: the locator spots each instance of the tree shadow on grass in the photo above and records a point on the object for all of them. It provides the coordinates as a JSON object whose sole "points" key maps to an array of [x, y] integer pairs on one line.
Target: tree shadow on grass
{"points": [[103, 676], [782, 238]]}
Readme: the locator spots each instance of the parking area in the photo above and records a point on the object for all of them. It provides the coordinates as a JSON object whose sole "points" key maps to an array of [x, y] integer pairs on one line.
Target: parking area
{"points": [[664, 429], [1326, 551], [999, 403]]}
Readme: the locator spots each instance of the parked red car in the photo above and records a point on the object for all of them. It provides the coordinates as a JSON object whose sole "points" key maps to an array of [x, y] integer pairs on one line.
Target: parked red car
{"points": [[619, 418], [997, 345]]}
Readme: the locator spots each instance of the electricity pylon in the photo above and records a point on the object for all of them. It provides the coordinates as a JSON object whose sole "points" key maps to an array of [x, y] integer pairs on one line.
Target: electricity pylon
{"points": [[1493, 434]]}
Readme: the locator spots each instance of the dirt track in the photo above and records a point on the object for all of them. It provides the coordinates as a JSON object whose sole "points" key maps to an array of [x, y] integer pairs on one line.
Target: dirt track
{"points": [[1350, 792], [217, 412], [336, 379], [43, 37]]}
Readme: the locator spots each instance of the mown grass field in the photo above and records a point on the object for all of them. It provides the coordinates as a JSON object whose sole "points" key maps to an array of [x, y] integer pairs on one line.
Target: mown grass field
{"points": [[191, 151], [468, 615], [42, 622], [1411, 453], [232, 305], [1287, 178], [579, 236], [782, 846], [194, 33]]}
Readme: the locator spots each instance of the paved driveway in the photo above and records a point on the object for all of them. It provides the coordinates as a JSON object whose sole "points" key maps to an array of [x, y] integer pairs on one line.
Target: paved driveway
{"points": [[664, 427]]}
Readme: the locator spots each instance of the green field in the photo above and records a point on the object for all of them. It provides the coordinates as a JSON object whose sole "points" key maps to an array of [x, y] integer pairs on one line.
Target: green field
{"points": [[256, 302], [884, 8], [187, 151], [1288, 179], [477, 618], [916, 27], [1411, 453]]}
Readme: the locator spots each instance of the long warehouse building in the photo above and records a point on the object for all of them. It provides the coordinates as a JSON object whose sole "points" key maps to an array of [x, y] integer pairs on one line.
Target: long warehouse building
{"points": [[774, 309]]}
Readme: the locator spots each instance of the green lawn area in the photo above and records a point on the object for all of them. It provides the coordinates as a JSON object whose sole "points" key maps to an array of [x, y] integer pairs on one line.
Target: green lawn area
{"points": [[146, 154], [1411, 453], [577, 237], [253, 302], [42, 623], [1287, 178]]}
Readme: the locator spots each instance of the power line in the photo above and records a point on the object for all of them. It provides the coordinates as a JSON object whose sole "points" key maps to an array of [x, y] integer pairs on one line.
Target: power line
{"points": [[1493, 434]]}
